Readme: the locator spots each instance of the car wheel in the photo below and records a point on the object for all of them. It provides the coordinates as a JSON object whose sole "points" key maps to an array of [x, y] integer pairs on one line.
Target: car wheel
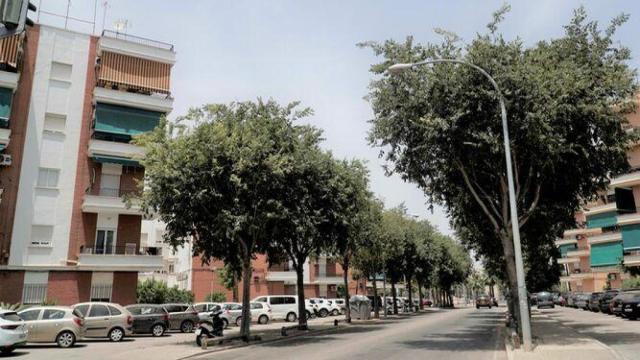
{"points": [[477, 307], [186, 326], [226, 323], [309, 314], [335, 312], [291, 317], [489, 306], [65, 339], [263, 319], [7, 350], [239, 321], [157, 330], [323, 313], [116, 334]]}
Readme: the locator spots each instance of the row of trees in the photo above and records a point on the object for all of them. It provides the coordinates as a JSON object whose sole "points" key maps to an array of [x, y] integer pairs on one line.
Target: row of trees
{"points": [[566, 100], [246, 178], [151, 291]]}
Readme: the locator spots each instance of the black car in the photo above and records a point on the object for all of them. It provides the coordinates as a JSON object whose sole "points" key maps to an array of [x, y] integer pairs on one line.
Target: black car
{"points": [[605, 301], [616, 303], [544, 299], [631, 306], [594, 301], [149, 319]]}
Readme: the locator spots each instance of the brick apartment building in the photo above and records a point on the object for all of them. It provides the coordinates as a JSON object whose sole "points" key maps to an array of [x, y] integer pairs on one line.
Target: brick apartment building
{"points": [[69, 106], [608, 234]]}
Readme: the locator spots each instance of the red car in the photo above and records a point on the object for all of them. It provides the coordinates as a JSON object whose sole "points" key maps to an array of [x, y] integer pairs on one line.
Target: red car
{"points": [[426, 302]]}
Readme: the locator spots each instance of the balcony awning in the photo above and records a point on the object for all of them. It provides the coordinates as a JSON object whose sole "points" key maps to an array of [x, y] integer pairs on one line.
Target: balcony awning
{"points": [[115, 160], [607, 254], [565, 248], [602, 220], [5, 106], [121, 120], [631, 237]]}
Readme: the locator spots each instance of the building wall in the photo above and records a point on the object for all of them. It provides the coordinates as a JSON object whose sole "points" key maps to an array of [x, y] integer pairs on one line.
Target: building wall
{"points": [[128, 230], [124, 288], [58, 92], [9, 176], [11, 286], [69, 287]]}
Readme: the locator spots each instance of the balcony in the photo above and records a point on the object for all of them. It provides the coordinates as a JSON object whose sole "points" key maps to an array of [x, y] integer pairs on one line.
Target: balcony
{"points": [[632, 260], [581, 276], [581, 231], [130, 99], [629, 219], [560, 242], [600, 209], [606, 238], [328, 280], [578, 253], [5, 134], [111, 201], [112, 149], [286, 276], [568, 260], [626, 180], [120, 258]]}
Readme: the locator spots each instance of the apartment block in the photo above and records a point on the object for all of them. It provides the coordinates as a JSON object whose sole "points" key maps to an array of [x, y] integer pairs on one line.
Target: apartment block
{"points": [[608, 234], [70, 104]]}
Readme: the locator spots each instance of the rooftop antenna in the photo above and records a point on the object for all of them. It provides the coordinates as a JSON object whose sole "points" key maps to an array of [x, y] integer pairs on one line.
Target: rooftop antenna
{"points": [[66, 17], [121, 26], [105, 5]]}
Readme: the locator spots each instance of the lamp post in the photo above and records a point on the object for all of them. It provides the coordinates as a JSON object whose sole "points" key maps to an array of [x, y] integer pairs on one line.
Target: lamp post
{"points": [[515, 227]]}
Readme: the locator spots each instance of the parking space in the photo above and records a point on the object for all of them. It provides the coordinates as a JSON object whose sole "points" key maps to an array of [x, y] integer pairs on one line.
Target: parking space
{"points": [[621, 334], [172, 345]]}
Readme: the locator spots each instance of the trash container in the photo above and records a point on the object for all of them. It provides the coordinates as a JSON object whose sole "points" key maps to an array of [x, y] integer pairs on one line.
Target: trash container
{"points": [[360, 307]]}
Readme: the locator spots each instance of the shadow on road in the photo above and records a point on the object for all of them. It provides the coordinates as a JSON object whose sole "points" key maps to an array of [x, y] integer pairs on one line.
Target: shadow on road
{"points": [[598, 330]]}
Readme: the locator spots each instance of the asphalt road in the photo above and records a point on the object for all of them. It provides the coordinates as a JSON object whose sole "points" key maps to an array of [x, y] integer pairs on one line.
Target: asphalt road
{"points": [[442, 335], [622, 335]]}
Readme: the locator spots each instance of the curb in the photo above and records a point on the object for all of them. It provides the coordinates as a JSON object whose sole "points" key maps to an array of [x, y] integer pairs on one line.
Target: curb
{"points": [[260, 342]]}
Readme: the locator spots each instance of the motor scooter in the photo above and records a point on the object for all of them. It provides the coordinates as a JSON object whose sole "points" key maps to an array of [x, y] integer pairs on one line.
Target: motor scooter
{"points": [[208, 330]]}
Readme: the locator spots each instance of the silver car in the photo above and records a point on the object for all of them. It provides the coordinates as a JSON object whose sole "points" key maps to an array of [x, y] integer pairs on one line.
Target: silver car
{"points": [[105, 320], [62, 325]]}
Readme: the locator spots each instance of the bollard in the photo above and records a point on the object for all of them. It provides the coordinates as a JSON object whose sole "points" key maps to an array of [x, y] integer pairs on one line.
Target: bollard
{"points": [[335, 322], [283, 331]]}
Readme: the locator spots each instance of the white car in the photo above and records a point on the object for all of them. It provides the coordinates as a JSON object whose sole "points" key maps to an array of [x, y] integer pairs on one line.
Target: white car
{"points": [[321, 306], [284, 306], [335, 307], [260, 312], [204, 310], [13, 331]]}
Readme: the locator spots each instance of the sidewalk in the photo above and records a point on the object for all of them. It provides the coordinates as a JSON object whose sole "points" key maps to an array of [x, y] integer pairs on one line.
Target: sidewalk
{"points": [[552, 341]]}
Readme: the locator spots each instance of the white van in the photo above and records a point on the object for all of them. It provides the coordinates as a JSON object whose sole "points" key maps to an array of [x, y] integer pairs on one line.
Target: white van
{"points": [[283, 306]]}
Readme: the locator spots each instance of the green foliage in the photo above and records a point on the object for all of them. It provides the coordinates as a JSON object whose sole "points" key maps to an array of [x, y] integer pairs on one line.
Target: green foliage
{"points": [[153, 291], [229, 276], [13, 307], [566, 99], [216, 296], [49, 302], [341, 291], [631, 283]]}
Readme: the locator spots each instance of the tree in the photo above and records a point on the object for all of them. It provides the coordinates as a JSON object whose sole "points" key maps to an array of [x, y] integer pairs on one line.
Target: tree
{"points": [[216, 296], [566, 100], [153, 291], [229, 279], [219, 181]]}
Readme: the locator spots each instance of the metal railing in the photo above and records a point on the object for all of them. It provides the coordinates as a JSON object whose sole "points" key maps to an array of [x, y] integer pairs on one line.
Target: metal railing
{"points": [[137, 39], [117, 192], [129, 249], [34, 293]]}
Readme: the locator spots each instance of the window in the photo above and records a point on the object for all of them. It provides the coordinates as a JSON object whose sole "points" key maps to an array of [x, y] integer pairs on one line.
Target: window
{"points": [[29, 315], [255, 306], [98, 310], [262, 299], [10, 316], [114, 311], [135, 310], [101, 292], [34, 293], [171, 268], [276, 300], [105, 241], [41, 235], [48, 178], [290, 300], [200, 307], [82, 309], [235, 307], [53, 314]]}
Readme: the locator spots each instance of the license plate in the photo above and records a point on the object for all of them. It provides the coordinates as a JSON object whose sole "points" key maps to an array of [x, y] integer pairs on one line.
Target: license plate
{"points": [[628, 310], [198, 332]]}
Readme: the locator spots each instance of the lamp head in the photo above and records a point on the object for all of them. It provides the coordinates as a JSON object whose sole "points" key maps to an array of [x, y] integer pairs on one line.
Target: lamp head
{"points": [[398, 68]]}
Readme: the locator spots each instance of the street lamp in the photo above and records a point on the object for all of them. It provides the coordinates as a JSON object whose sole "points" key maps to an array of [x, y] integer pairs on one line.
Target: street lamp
{"points": [[515, 227]]}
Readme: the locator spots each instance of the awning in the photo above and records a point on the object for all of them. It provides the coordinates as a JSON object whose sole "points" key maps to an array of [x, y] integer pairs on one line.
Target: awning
{"points": [[122, 120], [565, 248], [631, 237], [602, 220], [607, 254], [5, 106], [115, 160]]}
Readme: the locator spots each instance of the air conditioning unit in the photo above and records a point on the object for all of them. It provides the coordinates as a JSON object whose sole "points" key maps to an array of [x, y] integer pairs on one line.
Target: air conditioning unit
{"points": [[5, 160]]}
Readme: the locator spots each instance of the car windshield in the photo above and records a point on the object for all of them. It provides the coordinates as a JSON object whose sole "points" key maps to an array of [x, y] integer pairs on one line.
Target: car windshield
{"points": [[10, 316]]}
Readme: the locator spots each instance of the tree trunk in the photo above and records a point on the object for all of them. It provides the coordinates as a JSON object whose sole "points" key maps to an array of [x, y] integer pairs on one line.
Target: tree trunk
{"points": [[376, 303], [246, 298], [408, 280], [514, 306], [420, 297], [302, 311], [235, 288], [394, 295], [345, 277]]}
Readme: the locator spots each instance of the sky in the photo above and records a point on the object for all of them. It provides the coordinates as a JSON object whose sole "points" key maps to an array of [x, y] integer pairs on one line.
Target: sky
{"points": [[298, 50]]}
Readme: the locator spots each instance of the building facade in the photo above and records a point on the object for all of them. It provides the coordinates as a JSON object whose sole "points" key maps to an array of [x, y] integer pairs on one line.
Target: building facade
{"points": [[608, 235], [76, 100]]}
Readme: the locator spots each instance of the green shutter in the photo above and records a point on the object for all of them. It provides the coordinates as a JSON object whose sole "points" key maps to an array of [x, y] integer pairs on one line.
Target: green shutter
{"points": [[606, 254], [5, 106], [602, 220], [631, 237], [565, 248], [121, 120], [115, 160]]}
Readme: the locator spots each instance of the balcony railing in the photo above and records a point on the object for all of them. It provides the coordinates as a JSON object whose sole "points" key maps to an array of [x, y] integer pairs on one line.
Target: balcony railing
{"points": [[118, 192], [9, 53], [129, 249], [137, 40]]}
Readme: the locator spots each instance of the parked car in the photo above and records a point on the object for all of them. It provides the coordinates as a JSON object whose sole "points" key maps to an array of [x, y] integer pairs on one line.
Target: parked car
{"points": [[284, 306], [60, 325], [483, 301], [582, 301], [616, 303], [631, 306], [103, 319], [427, 302], [182, 317], [340, 304], [594, 301], [260, 312], [321, 306], [204, 310], [334, 308], [149, 319], [544, 299], [13, 332], [570, 299], [605, 301]]}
